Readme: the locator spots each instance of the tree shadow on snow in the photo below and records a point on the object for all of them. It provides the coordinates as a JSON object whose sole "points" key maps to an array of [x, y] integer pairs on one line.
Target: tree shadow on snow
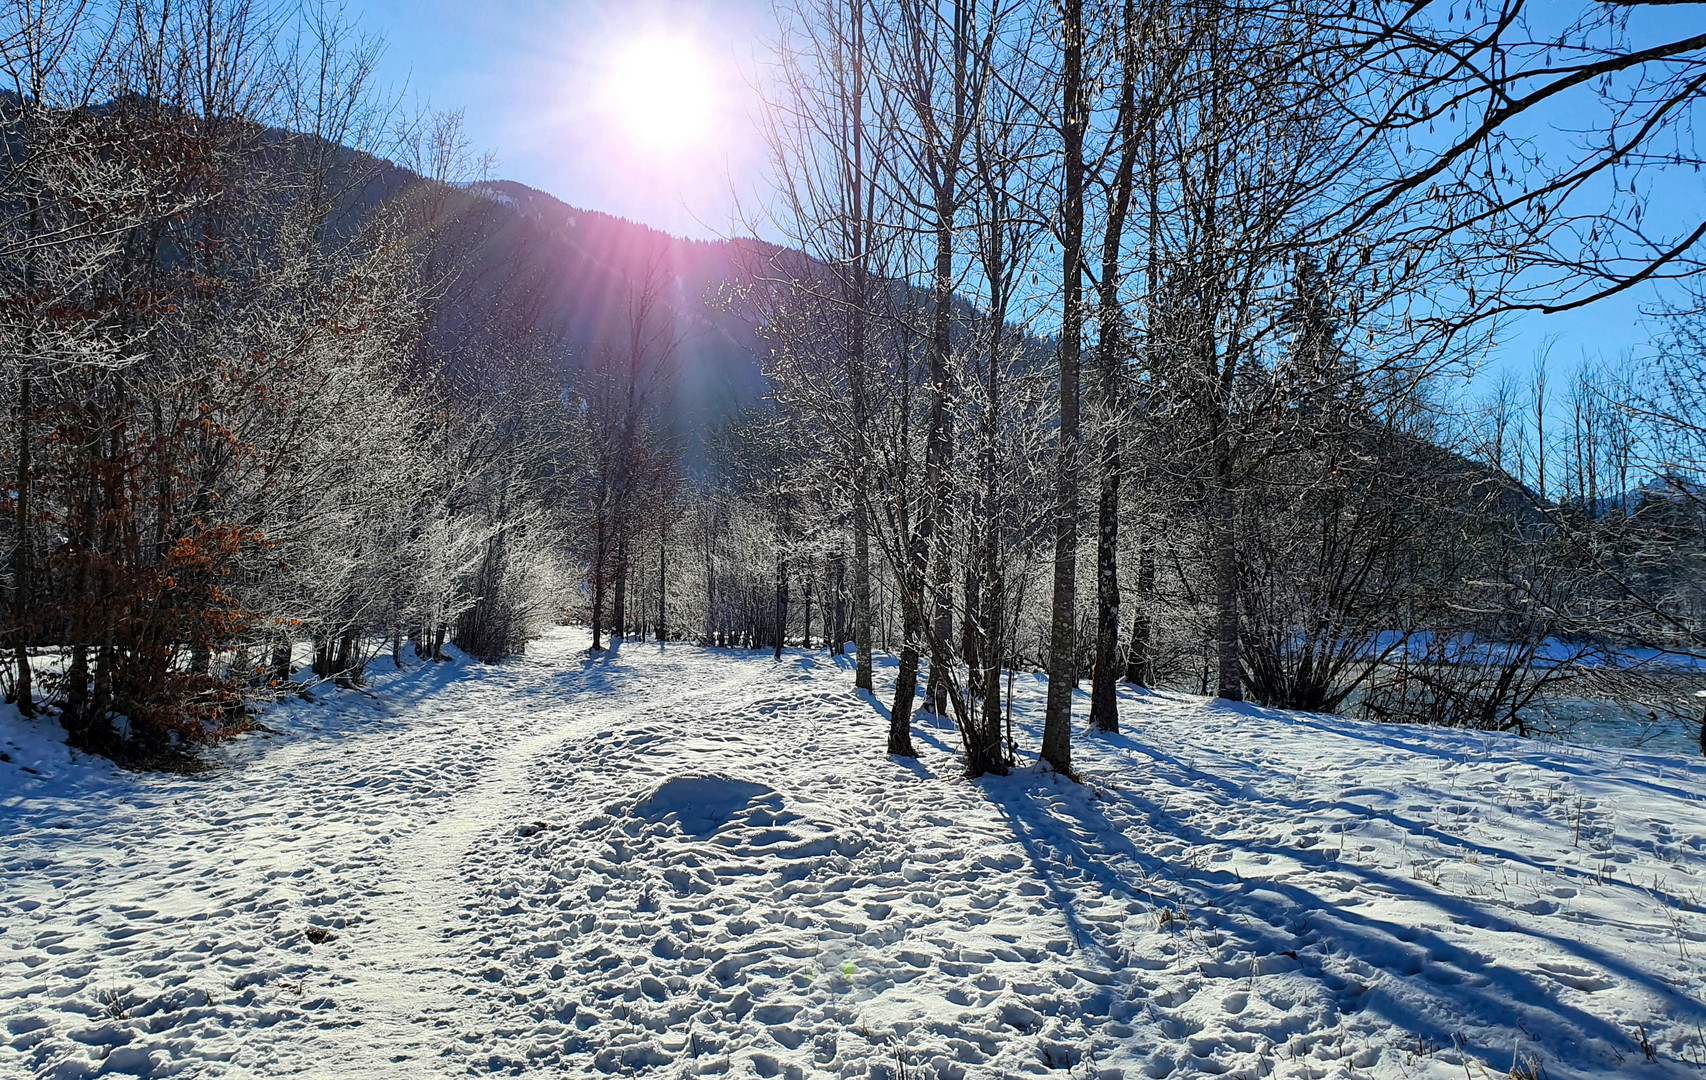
{"points": [[1188, 776], [1073, 842]]}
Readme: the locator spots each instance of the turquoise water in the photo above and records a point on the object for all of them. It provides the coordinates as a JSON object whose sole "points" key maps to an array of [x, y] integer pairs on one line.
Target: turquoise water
{"points": [[1590, 723]]}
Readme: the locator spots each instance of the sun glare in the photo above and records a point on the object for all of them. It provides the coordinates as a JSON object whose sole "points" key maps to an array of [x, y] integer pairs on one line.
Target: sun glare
{"points": [[661, 93]]}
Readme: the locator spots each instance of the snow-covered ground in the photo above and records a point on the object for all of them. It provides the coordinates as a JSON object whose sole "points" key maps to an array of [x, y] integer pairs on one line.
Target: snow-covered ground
{"points": [[689, 862]]}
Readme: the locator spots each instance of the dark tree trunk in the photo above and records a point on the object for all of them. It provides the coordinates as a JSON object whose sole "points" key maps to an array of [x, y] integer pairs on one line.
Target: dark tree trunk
{"points": [[862, 191], [861, 586], [935, 601], [75, 714], [837, 633], [619, 602], [991, 757], [806, 587], [23, 555], [990, 620], [663, 584], [1110, 360], [983, 713], [969, 618], [913, 631], [78, 718], [347, 667], [22, 598], [781, 602], [599, 559], [1139, 660], [1063, 623], [1226, 641], [1104, 670], [711, 624], [906, 682], [942, 628]]}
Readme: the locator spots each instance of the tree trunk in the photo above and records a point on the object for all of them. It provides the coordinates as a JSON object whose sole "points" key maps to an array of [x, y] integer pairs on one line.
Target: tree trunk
{"points": [[781, 601], [663, 584], [942, 598], [861, 585], [862, 190], [936, 603], [1139, 661], [598, 568], [969, 618], [990, 621], [79, 720], [906, 681], [1231, 675], [23, 564], [1110, 357], [348, 671], [1104, 673], [1063, 622], [619, 602], [806, 586], [711, 592], [983, 737], [836, 634], [991, 757], [21, 595]]}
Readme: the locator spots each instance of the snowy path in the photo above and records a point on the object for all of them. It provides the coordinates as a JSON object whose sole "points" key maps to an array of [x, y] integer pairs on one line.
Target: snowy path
{"points": [[686, 862]]}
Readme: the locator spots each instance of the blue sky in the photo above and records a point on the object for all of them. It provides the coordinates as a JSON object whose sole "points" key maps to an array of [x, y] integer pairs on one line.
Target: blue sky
{"points": [[528, 74]]}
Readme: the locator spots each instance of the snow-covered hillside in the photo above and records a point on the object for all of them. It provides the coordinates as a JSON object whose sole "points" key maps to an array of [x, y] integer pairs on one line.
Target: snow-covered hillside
{"points": [[688, 862]]}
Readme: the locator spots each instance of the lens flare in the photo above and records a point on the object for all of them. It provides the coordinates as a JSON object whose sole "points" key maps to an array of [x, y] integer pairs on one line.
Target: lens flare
{"points": [[661, 93]]}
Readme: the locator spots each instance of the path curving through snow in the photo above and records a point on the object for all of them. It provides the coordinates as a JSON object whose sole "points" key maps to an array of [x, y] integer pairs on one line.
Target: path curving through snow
{"points": [[685, 862]]}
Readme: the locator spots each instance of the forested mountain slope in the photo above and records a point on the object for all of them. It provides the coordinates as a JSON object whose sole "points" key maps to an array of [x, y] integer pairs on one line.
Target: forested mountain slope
{"points": [[592, 267]]}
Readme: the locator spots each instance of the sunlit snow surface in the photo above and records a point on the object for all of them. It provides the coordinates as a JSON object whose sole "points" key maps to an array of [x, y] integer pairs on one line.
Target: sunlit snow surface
{"points": [[687, 862]]}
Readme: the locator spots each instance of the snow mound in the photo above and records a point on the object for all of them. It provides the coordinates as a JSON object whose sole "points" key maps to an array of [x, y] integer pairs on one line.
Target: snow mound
{"points": [[699, 804]]}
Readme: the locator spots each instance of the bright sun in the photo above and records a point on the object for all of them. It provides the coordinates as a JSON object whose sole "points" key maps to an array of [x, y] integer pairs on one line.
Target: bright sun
{"points": [[661, 92]]}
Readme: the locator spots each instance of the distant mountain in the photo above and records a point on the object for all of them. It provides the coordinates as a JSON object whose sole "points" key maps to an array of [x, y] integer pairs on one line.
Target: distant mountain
{"points": [[592, 262]]}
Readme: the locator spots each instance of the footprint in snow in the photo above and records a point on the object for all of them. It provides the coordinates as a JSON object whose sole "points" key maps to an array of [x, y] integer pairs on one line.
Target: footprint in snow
{"points": [[1577, 978]]}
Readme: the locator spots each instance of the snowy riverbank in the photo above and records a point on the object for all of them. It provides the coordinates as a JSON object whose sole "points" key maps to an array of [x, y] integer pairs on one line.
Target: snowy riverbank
{"points": [[693, 862]]}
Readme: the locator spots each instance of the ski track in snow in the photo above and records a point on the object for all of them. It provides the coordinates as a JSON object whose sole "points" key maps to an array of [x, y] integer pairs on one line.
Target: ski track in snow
{"points": [[689, 862]]}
